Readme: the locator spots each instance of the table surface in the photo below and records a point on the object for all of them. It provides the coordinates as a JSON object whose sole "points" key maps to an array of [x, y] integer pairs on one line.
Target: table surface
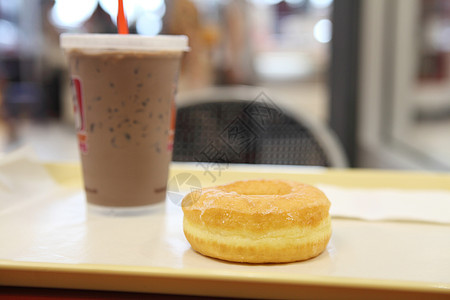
{"points": [[58, 243]]}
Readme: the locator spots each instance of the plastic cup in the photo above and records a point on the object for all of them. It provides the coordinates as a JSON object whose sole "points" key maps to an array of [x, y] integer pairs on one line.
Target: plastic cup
{"points": [[123, 91]]}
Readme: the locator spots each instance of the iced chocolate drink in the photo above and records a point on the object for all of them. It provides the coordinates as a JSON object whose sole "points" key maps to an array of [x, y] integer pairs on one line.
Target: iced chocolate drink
{"points": [[123, 101]]}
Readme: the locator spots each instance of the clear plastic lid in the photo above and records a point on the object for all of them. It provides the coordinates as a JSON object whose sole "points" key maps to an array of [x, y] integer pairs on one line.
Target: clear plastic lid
{"points": [[124, 42]]}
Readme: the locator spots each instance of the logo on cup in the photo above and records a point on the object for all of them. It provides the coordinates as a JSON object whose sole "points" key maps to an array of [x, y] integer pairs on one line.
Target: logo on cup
{"points": [[80, 118], [173, 117], [182, 184]]}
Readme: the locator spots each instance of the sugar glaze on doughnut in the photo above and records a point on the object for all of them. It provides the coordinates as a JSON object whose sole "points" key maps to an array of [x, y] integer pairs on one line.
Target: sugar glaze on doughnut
{"points": [[258, 221]]}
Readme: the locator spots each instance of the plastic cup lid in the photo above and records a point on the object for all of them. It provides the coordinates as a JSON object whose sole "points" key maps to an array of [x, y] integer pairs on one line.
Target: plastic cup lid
{"points": [[124, 42]]}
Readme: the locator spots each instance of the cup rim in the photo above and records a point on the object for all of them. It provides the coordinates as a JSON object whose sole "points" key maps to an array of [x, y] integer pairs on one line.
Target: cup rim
{"points": [[111, 42]]}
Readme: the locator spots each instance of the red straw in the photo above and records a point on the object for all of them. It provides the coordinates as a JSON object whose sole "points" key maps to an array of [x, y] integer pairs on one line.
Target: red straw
{"points": [[122, 25]]}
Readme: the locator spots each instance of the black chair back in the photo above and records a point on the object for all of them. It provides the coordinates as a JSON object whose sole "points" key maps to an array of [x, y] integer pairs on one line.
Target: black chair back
{"points": [[255, 132]]}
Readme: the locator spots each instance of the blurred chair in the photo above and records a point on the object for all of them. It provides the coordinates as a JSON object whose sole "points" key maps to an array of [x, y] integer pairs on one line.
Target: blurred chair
{"points": [[244, 125]]}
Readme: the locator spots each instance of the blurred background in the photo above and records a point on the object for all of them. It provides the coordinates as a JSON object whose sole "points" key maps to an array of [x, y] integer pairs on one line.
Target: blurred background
{"points": [[376, 72]]}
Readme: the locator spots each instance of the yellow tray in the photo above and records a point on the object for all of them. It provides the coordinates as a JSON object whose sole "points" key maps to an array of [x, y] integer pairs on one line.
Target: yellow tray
{"points": [[58, 243]]}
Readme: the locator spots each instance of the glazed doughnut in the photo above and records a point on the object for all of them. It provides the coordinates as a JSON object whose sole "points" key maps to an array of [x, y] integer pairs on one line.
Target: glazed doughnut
{"points": [[258, 221]]}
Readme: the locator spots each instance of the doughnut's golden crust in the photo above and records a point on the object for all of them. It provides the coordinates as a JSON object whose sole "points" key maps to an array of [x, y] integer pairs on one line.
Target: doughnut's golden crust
{"points": [[258, 221]]}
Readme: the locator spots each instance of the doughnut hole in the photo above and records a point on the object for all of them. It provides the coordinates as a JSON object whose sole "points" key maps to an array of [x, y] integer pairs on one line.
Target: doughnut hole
{"points": [[260, 187]]}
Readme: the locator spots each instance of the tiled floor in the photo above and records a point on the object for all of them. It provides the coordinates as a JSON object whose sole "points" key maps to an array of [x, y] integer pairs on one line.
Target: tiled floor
{"points": [[50, 141]]}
